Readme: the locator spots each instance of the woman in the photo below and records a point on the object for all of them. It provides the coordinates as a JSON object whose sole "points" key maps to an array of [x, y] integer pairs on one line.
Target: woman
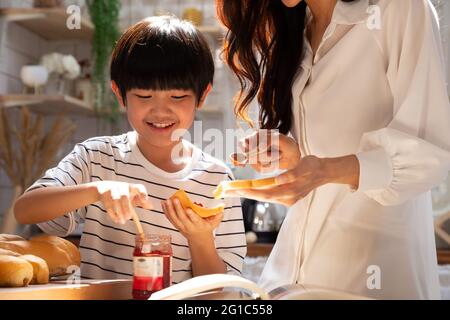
{"points": [[360, 85]]}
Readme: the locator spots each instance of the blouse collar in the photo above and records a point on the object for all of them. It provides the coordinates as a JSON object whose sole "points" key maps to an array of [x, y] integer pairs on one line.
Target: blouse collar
{"points": [[347, 13]]}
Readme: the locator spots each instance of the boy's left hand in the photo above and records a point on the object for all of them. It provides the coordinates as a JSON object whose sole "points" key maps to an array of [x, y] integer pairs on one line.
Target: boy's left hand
{"points": [[191, 225]]}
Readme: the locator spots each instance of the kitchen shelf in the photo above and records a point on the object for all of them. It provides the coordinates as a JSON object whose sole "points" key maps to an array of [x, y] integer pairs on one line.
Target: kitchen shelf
{"points": [[47, 104], [49, 23]]}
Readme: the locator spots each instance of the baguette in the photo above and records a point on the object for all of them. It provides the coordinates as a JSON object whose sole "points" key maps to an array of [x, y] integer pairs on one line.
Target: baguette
{"points": [[58, 253], [15, 272], [41, 273], [4, 252], [10, 237]]}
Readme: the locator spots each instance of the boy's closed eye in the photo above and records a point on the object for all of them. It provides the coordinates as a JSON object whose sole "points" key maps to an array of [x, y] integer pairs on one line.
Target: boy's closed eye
{"points": [[175, 97], [179, 97], [143, 96]]}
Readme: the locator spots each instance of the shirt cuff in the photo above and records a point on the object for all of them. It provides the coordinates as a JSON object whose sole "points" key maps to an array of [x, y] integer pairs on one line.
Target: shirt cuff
{"points": [[375, 170]]}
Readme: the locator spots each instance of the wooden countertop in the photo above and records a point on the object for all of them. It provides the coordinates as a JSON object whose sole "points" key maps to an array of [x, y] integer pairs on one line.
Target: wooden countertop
{"points": [[60, 290], [443, 256], [259, 249]]}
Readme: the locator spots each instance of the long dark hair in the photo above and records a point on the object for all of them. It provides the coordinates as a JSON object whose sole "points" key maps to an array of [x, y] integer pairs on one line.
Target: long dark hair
{"points": [[263, 47]]}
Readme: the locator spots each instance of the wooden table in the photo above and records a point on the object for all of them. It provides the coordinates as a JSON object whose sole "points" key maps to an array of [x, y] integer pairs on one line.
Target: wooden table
{"points": [[60, 290]]}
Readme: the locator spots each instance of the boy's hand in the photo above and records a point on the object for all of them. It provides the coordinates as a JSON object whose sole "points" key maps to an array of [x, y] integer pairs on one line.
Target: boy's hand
{"points": [[119, 198], [191, 225]]}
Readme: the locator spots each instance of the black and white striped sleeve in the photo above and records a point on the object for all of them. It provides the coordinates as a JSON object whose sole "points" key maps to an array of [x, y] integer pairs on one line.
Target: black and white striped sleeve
{"points": [[74, 169], [230, 238]]}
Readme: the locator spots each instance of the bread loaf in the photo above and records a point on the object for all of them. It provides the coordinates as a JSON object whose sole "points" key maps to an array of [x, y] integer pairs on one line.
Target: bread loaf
{"points": [[58, 253], [10, 237], [15, 272], [4, 252], [40, 269]]}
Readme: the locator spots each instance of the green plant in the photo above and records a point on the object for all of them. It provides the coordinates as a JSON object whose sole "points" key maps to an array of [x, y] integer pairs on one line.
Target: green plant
{"points": [[105, 17]]}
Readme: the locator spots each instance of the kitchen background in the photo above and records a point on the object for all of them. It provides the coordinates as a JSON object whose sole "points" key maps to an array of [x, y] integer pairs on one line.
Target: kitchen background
{"points": [[34, 33]]}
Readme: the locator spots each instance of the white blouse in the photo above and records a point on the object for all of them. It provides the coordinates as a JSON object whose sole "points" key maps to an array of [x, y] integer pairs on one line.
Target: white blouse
{"points": [[376, 88]]}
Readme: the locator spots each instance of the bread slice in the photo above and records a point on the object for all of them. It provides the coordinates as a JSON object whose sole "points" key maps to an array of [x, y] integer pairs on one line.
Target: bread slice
{"points": [[242, 184], [201, 211]]}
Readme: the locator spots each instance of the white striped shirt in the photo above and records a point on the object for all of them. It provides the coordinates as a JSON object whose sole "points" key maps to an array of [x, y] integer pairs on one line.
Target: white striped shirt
{"points": [[106, 248]]}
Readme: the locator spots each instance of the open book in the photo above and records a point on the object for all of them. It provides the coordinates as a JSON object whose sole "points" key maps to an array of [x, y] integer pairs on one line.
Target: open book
{"points": [[231, 287]]}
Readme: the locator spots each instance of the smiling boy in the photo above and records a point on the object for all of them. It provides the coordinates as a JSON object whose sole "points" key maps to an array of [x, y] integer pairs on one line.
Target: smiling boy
{"points": [[161, 72]]}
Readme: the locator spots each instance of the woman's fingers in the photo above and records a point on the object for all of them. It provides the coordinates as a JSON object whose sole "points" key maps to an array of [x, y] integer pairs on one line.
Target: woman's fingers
{"points": [[262, 151], [286, 177], [238, 159]]}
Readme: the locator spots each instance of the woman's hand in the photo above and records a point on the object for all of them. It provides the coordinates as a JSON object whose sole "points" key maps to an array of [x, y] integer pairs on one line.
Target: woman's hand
{"points": [[267, 151], [190, 225], [120, 198], [310, 173]]}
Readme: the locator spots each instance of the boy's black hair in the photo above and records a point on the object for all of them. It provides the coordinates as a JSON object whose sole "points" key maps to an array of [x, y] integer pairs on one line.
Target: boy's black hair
{"points": [[162, 53]]}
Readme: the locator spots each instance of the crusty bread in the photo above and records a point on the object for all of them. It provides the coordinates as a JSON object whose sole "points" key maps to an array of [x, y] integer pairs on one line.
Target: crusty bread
{"points": [[65, 245], [4, 252], [58, 253], [40, 269], [15, 272], [10, 237]]}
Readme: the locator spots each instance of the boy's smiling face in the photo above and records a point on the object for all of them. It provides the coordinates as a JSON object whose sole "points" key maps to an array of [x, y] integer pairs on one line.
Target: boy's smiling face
{"points": [[156, 114]]}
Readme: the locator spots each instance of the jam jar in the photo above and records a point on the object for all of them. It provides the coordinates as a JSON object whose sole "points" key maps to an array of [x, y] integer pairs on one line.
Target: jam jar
{"points": [[152, 264]]}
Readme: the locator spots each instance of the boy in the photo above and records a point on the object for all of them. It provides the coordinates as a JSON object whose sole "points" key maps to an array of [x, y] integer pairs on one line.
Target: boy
{"points": [[161, 72]]}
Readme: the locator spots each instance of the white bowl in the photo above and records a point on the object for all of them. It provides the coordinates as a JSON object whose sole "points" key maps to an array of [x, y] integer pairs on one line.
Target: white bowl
{"points": [[34, 76]]}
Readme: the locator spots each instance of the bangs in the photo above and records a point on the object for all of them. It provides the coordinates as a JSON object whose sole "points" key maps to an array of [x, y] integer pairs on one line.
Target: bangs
{"points": [[162, 53]]}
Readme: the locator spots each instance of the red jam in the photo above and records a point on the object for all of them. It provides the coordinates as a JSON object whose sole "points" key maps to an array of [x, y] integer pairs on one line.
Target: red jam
{"points": [[152, 266]]}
